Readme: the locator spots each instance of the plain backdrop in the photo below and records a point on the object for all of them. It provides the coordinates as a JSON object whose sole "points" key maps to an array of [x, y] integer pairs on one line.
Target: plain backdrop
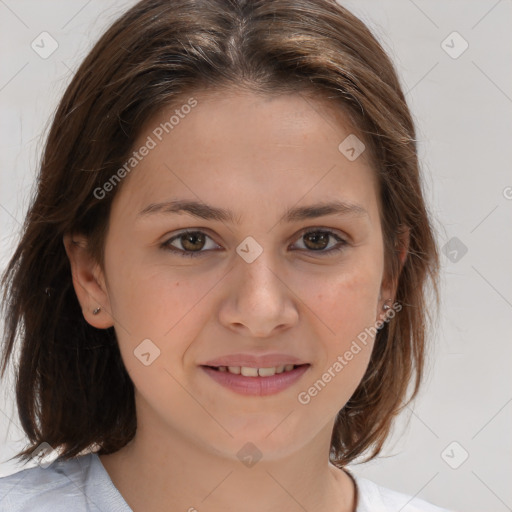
{"points": [[453, 446]]}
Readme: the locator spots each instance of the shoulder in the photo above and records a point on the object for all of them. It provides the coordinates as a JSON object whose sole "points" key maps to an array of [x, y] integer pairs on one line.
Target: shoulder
{"points": [[373, 497], [77, 484]]}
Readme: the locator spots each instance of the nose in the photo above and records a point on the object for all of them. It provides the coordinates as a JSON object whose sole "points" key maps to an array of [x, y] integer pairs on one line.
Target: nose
{"points": [[260, 301]]}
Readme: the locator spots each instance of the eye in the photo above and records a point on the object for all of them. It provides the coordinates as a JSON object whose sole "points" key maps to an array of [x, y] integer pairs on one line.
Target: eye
{"points": [[192, 242], [317, 239]]}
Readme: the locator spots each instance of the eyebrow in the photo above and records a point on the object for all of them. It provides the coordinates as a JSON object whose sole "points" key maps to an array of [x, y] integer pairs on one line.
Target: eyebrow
{"points": [[207, 212]]}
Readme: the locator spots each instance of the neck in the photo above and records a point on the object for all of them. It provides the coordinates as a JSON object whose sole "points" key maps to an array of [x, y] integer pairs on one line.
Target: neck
{"points": [[153, 471]]}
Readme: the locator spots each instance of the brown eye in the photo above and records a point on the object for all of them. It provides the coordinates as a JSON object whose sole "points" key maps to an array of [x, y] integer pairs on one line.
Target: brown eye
{"points": [[318, 240], [192, 241], [188, 243]]}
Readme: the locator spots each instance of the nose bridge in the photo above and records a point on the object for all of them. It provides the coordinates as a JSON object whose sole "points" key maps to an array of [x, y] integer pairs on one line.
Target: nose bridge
{"points": [[257, 269], [260, 300]]}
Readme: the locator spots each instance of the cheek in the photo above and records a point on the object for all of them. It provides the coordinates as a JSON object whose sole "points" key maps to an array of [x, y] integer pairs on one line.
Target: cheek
{"points": [[152, 300], [166, 310], [343, 302], [344, 315], [163, 304]]}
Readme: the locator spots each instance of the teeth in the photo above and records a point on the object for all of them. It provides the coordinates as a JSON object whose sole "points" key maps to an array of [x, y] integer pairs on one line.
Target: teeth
{"points": [[266, 372], [247, 371]]}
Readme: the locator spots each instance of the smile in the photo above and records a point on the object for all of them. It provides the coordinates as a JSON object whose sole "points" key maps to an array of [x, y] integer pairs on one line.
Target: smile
{"points": [[248, 371], [246, 380]]}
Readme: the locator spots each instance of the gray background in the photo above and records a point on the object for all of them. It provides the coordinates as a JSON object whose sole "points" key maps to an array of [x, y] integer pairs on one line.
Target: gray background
{"points": [[462, 108]]}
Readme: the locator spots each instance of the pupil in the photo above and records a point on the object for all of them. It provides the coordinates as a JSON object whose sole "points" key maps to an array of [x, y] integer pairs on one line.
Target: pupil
{"points": [[188, 238], [324, 237]]}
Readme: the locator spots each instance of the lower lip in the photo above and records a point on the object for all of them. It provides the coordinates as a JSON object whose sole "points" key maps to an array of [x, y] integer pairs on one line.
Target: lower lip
{"points": [[259, 386]]}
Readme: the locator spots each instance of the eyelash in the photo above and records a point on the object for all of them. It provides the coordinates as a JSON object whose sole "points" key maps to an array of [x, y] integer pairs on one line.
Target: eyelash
{"points": [[193, 254]]}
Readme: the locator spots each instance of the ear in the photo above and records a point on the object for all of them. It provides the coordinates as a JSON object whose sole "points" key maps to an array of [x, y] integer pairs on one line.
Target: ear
{"points": [[88, 281], [388, 286]]}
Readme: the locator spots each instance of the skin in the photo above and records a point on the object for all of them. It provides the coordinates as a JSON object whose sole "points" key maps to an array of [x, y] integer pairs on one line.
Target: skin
{"points": [[257, 156]]}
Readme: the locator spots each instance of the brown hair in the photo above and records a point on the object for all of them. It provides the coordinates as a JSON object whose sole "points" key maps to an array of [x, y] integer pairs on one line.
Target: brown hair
{"points": [[72, 388]]}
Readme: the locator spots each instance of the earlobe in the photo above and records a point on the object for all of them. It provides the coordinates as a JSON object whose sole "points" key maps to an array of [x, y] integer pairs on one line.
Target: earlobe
{"points": [[88, 282], [388, 289]]}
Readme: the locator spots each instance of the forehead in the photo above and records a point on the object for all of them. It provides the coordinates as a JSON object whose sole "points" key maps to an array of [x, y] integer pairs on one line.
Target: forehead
{"points": [[251, 147]]}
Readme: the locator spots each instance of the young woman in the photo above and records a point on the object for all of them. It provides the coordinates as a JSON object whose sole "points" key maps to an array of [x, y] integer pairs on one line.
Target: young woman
{"points": [[220, 288]]}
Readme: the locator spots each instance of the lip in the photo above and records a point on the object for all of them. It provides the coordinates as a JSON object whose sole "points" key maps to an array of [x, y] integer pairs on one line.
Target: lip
{"points": [[254, 361], [257, 386]]}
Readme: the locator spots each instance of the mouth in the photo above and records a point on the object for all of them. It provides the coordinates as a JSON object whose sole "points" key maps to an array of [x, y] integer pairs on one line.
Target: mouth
{"points": [[247, 380]]}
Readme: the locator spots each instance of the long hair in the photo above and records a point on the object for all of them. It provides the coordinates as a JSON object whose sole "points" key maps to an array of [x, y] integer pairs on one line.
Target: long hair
{"points": [[72, 389]]}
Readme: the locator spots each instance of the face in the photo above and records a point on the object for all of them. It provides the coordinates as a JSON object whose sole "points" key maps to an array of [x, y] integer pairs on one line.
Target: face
{"points": [[265, 278]]}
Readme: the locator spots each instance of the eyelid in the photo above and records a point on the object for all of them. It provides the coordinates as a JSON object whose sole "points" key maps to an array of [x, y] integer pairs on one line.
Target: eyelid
{"points": [[332, 231]]}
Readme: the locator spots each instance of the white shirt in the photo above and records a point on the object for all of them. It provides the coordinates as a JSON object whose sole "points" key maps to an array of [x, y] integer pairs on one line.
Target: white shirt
{"points": [[83, 485]]}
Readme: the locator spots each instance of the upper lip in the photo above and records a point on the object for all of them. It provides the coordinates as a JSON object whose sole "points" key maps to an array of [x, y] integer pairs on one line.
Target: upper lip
{"points": [[254, 361]]}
